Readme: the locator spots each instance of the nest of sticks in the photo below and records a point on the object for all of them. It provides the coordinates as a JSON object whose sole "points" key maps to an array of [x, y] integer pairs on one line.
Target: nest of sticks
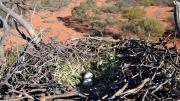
{"points": [[144, 71]]}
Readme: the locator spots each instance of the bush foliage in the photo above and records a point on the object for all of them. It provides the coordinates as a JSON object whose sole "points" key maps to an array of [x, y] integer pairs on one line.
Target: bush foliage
{"points": [[110, 9], [130, 3], [80, 13], [70, 72], [99, 23], [144, 27], [48, 4], [154, 2], [133, 13]]}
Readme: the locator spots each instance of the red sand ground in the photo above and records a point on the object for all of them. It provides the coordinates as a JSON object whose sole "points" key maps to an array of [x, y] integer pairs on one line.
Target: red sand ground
{"points": [[47, 23], [55, 29]]}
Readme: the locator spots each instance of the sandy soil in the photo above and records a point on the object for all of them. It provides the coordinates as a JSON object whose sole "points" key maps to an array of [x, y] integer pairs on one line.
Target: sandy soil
{"points": [[53, 28], [100, 3]]}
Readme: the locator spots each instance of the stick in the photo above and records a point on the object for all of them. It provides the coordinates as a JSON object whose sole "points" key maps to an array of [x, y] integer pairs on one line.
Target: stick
{"points": [[118, 93], [135, 90]]}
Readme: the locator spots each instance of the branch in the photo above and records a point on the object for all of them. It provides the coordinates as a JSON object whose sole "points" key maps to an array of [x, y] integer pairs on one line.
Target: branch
{"points": [[25, 24], [135, 90], [118, 93], [3, 39]]}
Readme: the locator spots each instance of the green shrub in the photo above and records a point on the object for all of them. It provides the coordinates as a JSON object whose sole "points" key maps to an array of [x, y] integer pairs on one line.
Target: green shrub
{"points": [[145, 2], [10, 58], [79, 13], [155, 2], [144, 27], [133, 13], [153, 26], [110, 9], [48, 4], [111, 21], [167, 2], [106, 67], [98, 23], [131, 3], [126, 3], [70, 72]]}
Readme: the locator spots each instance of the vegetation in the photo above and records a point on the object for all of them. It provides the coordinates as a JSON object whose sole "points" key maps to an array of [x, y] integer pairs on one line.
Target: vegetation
{"points": [[70, 72], [133, 13], [137, 23], [11, 57], [49, 3], [145, 27], [141, 26], [106, 67], [126, 3], [99, 23], [154, 2], [110, 9], [152, 26], [80, 13], [89, 12], [130, 3]]}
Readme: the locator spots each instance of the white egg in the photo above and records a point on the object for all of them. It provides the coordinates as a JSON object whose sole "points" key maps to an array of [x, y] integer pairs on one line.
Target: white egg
{"points": [[87, 82], [88, 75]]}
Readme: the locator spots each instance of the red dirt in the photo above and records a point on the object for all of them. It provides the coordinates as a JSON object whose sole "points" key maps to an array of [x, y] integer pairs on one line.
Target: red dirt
{"points": [[100, 3], [55, 29], [171, 43]]}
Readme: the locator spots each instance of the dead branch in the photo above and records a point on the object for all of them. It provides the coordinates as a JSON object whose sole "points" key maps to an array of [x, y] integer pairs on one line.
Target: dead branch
{"points": [[120, 91], [6, 29], [135, 90], [25, 24]]}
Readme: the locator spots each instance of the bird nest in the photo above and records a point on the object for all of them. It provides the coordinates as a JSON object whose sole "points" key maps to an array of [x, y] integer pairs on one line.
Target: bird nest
{"points": [[123, 70]]}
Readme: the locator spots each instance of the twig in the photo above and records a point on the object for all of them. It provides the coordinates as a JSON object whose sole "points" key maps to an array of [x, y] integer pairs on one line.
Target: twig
{"points": [[135, 90], [143, 99], [120, 91], [160, 86], [64, 95]]}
